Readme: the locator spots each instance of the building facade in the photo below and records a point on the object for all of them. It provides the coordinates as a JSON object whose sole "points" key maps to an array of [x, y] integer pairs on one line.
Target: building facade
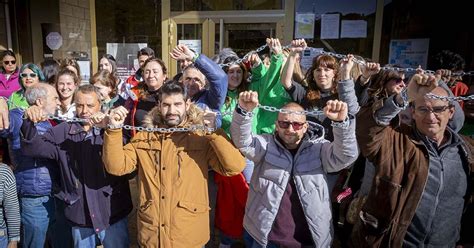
{"points": [[388, 31]]}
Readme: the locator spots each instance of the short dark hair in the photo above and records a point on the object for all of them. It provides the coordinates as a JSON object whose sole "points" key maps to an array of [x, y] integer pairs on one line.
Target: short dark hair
{"points": [[88, 89], [146, 51], [172, 87], [7, 53], [449, 60]]}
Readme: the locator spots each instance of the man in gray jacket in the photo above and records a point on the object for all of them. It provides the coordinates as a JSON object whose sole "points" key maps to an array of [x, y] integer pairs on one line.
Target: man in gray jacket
{"points": [[289, 202]]}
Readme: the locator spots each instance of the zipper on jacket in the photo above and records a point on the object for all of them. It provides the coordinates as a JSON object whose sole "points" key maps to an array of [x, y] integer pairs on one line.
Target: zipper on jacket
{"points": [[426, 156], [76, 183], [299, 195], [179, 164]]}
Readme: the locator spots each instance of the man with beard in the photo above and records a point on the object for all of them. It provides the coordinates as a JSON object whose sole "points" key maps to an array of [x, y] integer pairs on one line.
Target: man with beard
{"points": [[172, 169]]}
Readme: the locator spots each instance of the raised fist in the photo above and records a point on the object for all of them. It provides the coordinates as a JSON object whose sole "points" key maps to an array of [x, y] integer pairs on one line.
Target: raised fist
{"points": [[420, 84], [248, 100], [298, 46], [336, 110]]}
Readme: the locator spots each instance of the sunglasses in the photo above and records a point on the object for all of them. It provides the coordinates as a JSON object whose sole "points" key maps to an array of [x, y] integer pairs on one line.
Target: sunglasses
{"points": [[397, 80], [286, 124], [9, 62], [31, 75]]}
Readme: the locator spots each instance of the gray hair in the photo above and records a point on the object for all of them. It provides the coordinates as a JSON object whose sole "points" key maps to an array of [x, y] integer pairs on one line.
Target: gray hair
{"points": [[225, 54], [88, 89], [35, 92]]}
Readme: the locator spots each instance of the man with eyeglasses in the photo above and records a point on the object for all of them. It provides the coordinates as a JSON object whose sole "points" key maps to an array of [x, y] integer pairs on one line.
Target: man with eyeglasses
{"points": [[205, 81], [289, 201], [423, 172]]}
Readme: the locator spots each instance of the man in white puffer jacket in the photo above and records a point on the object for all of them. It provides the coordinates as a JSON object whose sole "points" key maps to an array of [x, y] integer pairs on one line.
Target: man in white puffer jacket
{"points": [[289, 201]]}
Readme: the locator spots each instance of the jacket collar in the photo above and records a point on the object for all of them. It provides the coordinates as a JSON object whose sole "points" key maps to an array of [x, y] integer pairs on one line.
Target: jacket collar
{"points": [[314, 134], [153, 119], [75, 128]]}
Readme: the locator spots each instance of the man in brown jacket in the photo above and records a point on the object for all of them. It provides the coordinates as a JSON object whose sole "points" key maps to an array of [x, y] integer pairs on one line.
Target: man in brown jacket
{"points": [[172, 169], [423, 179]]}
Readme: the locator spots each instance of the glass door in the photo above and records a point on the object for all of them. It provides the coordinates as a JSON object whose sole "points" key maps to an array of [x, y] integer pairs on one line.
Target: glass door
{"points": [[244, 37]]}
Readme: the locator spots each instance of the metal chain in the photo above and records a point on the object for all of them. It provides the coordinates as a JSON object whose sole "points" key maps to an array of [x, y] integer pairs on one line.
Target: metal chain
{"points": [[450, 98], [341, 56], [316, 112], [245, 57], [192, 128], [283, 111], [227, 113]]}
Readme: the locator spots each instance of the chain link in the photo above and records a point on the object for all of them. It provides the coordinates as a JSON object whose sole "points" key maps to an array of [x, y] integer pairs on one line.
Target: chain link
{"points": [[192, 128], [245, 57], [341, 56], [287, 111], [450, 98], [66, 119]]}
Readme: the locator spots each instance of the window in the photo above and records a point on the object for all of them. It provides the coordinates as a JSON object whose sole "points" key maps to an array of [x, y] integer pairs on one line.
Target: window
{"points": [[210, 5]]}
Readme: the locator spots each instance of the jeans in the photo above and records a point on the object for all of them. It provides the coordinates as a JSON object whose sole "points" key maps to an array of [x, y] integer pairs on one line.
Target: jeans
{"points": [[3, 238], [226, 240], [37, 216], [61, 228], [116, 236], [250, 242]]}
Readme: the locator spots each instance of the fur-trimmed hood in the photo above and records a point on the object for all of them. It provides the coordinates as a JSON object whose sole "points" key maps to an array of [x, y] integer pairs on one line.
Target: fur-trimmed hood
{"points": [[194, 117]]}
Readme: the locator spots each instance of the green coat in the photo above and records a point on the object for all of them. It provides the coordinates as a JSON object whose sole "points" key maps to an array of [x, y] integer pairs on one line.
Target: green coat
{"points": [[18, 100], [228, 108], [270, 93]]}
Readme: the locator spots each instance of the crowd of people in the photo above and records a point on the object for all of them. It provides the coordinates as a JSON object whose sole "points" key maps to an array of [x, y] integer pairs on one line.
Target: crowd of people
{"points": [[351, 155]]}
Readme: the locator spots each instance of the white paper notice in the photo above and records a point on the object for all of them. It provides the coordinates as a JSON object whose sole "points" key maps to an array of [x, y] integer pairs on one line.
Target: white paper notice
{"points": [[353, 29], [330, 26], [409, 53], [85, 67], [307, 57], [304, 26], [192, 44]]}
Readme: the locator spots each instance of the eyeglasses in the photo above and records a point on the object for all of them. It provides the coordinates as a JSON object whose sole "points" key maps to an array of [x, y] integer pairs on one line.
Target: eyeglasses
{"points": [[9, 62], [435, 110], [286, 124], [31, 75]]}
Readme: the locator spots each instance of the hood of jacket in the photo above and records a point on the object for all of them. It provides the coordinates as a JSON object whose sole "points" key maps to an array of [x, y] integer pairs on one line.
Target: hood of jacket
{"points": [[315, 133], [194, 116]]}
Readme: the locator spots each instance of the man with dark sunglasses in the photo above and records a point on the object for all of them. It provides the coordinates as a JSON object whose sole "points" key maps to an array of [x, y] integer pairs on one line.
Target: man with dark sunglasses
{"points": [[288, 203]]}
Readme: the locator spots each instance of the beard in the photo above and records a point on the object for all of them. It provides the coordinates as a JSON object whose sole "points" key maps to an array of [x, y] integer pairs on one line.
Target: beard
{"points": [[173, 120]]}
